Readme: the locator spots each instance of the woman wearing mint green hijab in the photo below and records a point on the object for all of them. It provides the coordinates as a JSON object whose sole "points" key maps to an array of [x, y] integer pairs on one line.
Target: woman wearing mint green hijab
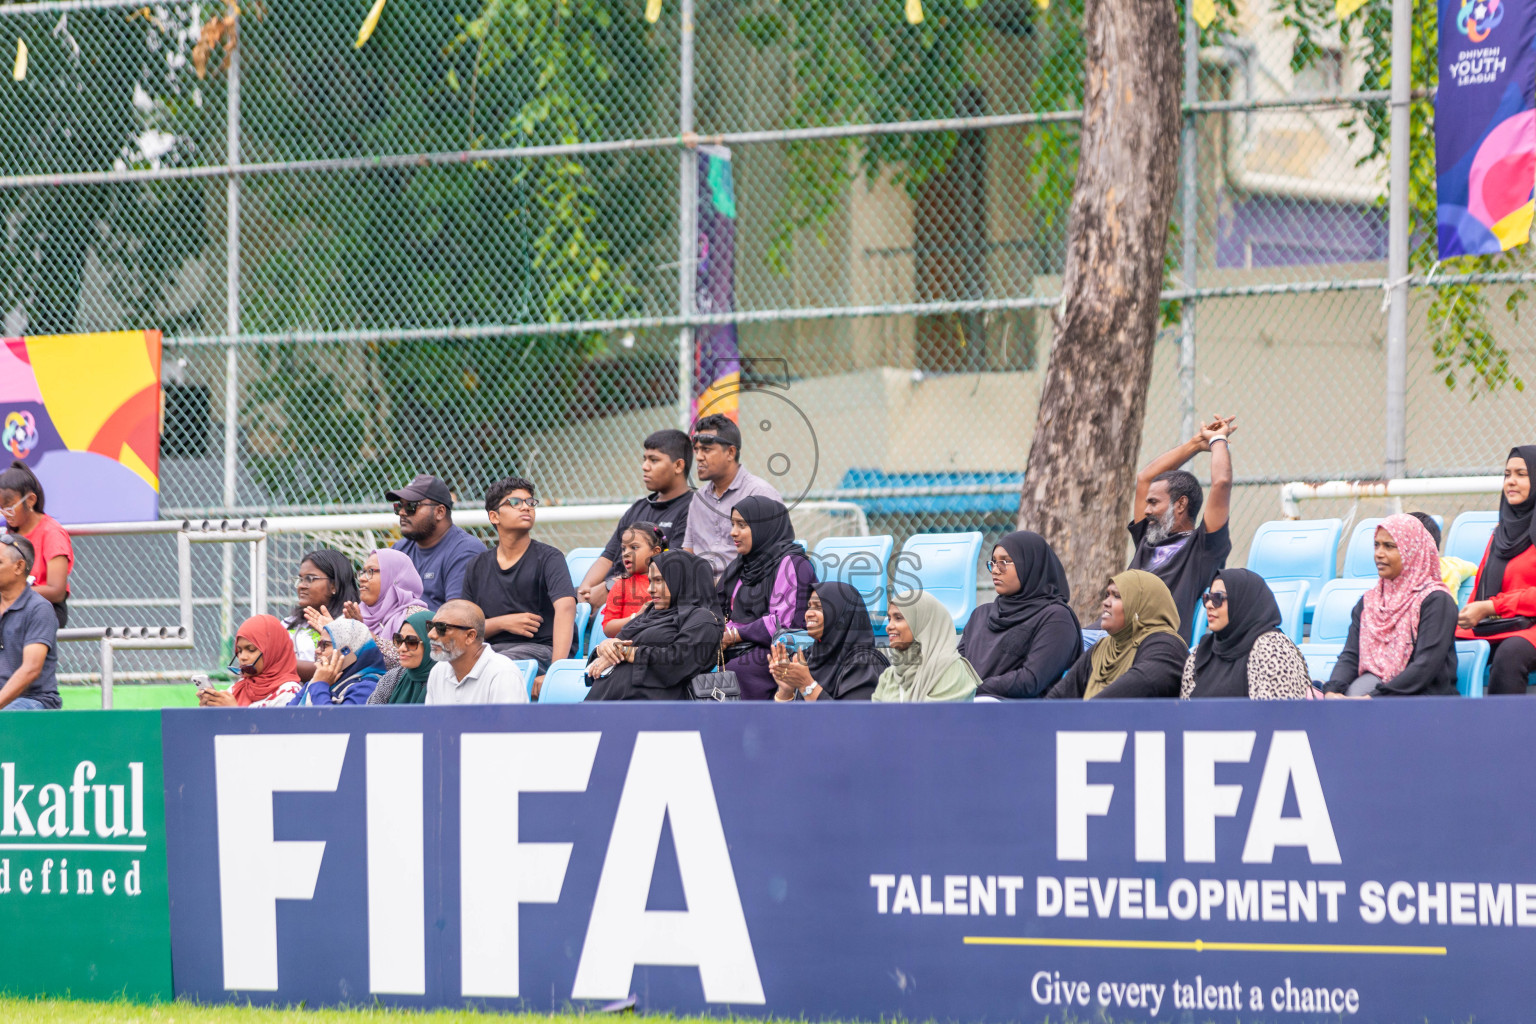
{"points": [[925, 660], [407, 684]]}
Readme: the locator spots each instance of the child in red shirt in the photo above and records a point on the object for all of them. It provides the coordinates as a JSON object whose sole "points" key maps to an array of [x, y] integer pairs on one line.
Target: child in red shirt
{"points": [[631, 592]]}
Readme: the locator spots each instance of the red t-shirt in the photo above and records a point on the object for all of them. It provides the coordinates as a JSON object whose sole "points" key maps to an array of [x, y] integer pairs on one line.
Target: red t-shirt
{"points": [[626, 597], [49, 540]]}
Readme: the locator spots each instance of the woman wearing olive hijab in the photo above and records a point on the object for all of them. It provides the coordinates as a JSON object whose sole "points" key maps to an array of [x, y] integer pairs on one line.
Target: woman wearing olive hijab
{"points": [[1244, 654], [1143, 655], [925, 663], [1023, 641]]}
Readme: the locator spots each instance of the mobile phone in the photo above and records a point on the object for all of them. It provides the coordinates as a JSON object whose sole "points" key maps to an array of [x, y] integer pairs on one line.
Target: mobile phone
{"points": [[202, 682]]}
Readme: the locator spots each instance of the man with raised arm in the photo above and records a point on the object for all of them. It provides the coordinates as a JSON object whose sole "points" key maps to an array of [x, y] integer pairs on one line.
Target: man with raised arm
{"points": [[1175, 540]]}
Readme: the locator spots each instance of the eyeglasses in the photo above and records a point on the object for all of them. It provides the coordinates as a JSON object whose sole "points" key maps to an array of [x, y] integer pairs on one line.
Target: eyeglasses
{"points": [[407, 643], [309, 579], [998, 564], [518, 503], [367, 574], [1214, 598], [408, 508], [11, 510], [442, 627]]}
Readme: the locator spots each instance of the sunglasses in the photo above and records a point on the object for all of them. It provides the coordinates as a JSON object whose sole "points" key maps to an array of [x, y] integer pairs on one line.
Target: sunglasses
{"points": [[1214, 598], [10, 541], [408, 508], [406, 643], [442, 627]]}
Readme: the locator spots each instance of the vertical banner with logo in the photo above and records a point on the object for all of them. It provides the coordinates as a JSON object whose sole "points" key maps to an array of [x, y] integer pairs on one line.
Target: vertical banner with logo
{"points": [[1485, 125], [717, 360], [83, 411], [83, 905], [1208, 861]]}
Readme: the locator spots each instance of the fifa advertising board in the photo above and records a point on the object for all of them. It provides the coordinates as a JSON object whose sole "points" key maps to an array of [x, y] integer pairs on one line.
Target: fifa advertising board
{"points": [[83, 907], [1215, 860]]}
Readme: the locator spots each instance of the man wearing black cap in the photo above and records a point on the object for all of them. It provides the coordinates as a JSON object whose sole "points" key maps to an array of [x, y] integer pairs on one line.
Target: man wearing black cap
{"points": [[439, 550]]}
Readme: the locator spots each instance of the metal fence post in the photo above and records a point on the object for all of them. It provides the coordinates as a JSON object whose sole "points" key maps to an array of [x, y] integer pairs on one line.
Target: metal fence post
{"points": [[1397, 245], [106, 673], [232, 328], [1189, 225], [687, 214]]}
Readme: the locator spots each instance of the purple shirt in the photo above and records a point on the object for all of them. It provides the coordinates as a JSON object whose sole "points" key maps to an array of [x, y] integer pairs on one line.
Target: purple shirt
{"points": [[709, 518]]}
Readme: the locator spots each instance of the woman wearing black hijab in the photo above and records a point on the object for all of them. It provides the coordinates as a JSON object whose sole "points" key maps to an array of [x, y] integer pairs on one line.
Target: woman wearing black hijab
{"points": [[1244, 654], [1506, 582], [763, 592], [676, 636], [843, 663], [1026, 639]]}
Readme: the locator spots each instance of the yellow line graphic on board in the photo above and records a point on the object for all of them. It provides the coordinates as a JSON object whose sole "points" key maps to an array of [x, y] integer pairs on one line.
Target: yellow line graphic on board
{"points": [[1201, 946]]}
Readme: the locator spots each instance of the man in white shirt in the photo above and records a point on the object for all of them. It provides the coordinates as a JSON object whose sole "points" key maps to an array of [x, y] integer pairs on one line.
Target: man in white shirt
{"points": [[467, 671]]}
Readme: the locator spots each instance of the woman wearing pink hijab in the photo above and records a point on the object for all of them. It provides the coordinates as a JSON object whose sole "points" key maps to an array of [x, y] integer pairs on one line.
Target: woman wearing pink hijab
{"points": [[1402, 637], [390, 591]]}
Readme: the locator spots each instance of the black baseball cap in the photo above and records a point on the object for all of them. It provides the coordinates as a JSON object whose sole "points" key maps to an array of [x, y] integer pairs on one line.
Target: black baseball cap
{"points": [[423, 488]]}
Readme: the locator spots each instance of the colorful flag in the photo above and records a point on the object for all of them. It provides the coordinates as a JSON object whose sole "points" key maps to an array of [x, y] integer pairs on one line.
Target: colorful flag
{"points": [[717, 360], [83, 411], [1485, 125]]}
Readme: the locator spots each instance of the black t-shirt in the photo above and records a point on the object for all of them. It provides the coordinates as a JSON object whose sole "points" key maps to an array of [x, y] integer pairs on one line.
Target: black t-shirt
{"points": [[1187, 563], [533, 584], [671, 516]]}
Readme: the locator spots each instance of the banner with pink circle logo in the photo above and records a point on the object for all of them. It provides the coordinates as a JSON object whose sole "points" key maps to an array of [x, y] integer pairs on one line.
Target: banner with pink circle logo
{"points": [[1485, 125]]}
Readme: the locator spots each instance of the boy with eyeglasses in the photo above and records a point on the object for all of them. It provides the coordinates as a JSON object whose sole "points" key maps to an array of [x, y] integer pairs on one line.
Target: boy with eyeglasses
{"points": [[438, 549], [522, 585]]}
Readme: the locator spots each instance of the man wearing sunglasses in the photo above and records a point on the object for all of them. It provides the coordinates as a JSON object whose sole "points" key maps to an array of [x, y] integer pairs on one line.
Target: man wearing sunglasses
{"points": [[439, 550], [28, 633], [522, 585], [465, 670]]}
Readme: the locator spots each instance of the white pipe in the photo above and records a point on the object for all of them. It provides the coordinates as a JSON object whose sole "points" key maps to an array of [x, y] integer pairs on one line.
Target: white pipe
{"points": [[1292, 494], [1395, 462]]}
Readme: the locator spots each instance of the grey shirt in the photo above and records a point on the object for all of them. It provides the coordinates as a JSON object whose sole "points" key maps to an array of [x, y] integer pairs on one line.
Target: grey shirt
{"points": [[709, 518], [493, 680], [31, 620]]}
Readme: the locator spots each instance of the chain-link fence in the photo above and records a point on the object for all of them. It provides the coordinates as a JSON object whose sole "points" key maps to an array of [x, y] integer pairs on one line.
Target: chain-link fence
{"points": [[454, 247]]}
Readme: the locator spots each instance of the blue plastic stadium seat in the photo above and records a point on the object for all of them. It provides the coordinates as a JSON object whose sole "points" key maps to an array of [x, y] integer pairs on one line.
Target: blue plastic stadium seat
{"points": [[859, 562], [1320, 659], [1306, 549], [1360, 556], [565, 683], [579, 560], [944, 565], [1472, 666], [583, 621], [1469, 536], [1291, 596], [1330, 620], [529, 668], [1464, 592]]}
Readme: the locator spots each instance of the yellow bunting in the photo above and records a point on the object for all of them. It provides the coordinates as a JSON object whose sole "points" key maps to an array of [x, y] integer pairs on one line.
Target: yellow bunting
{"points": [[1044, 5], [1344, 8], [652, 11], [1203, 11], [914, 12], [19, 71], [369, 24]]}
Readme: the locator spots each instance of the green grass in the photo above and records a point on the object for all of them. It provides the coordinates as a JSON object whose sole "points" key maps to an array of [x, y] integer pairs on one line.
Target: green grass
{"points": [[131, 695]]}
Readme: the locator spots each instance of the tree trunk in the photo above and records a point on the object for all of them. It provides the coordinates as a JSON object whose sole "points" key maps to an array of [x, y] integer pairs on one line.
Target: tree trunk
{"points": [[1082, 462]]}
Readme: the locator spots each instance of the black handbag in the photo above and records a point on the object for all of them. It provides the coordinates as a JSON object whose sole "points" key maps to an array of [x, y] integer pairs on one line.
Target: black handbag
{"points": [[717, 685], [1498, 627]]}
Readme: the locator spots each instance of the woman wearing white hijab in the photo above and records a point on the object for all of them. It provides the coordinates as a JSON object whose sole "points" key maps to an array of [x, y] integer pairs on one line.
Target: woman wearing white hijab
{"points": [[925, 660]]}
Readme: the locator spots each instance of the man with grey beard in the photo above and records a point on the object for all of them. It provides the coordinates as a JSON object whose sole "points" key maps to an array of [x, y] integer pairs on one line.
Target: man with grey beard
{"points": [[466, 670], [1174, 541]]}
